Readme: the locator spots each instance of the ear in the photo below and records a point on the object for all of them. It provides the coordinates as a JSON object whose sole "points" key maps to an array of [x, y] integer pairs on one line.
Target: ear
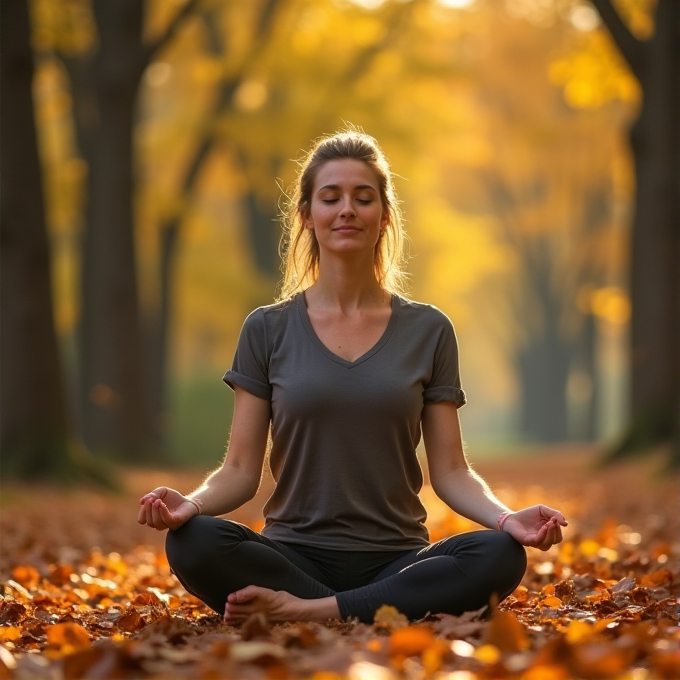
{"points": [[306, 218]]}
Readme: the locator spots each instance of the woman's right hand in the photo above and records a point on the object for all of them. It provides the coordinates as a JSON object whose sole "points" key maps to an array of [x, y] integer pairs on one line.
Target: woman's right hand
{"points": [[165, 508]]}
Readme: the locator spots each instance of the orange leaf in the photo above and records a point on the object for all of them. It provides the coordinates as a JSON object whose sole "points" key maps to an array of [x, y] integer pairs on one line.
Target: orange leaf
{"points": [[506, 633], [552, 601], [71, 635], [410, 641], [9, 633], [658, 578], [546, 672], [521, 593], [26, 575]]}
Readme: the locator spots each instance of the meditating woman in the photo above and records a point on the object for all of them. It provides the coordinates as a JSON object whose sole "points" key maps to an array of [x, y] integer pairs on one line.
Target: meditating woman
{"points": [[346, 373]]}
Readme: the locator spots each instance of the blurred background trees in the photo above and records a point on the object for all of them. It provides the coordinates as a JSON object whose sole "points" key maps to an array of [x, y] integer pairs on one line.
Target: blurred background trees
{"points": [[168, 131]]}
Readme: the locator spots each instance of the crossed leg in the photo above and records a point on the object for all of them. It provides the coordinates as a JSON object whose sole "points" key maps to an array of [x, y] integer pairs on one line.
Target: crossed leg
{"points": [[237, 571]]}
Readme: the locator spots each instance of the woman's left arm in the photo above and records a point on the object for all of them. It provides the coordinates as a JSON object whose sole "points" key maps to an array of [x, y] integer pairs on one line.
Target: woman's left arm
{"points": [[465, 492]]}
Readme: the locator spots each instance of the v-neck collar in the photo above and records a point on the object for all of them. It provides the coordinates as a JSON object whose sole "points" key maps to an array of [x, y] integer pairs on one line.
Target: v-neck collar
{"points": [[307, 324]]}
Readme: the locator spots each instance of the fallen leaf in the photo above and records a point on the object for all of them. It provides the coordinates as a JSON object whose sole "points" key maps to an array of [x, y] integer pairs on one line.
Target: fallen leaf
{"points": [[389, 618], [506, 633], [411, 640]]}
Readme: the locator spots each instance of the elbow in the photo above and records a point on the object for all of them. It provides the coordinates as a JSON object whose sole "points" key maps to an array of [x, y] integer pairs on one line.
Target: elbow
{"points": [[251, 492], [439, 488]]}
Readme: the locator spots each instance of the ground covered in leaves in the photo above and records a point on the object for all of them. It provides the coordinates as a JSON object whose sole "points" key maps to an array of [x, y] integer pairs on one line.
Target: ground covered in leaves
{"points": [[87, 593]]}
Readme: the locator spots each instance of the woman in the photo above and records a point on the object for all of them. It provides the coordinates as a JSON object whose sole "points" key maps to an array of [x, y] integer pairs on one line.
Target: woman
{"points": [[347, 373]]}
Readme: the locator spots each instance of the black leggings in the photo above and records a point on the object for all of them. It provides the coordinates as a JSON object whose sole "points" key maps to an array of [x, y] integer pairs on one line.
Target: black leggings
{"points": [[213, 557]]}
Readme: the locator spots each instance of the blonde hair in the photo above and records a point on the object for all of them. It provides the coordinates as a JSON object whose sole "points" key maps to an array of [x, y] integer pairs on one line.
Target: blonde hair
{"points": [[299, 247]]}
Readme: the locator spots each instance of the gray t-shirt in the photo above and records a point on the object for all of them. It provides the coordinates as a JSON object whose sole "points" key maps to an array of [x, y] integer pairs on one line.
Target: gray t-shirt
{"points": [[345, 433]]}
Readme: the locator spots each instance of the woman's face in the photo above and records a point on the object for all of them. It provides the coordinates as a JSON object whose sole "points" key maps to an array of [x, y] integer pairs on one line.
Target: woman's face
{"points": [[346, 211]]}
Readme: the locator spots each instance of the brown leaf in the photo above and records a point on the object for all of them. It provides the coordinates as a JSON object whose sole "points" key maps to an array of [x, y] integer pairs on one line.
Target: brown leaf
{"points": [[130, 620], [301, 636], [600, 660], [624, 585], [255, 626], [173, 630], [12, 612]]}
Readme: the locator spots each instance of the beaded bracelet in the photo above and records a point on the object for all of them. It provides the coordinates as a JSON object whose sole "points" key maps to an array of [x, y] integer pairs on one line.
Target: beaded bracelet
{"points": [[501, 520]]}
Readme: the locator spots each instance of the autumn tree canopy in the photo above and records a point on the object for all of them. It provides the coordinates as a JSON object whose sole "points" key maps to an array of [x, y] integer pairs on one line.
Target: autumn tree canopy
{"points": [[168, 133]]}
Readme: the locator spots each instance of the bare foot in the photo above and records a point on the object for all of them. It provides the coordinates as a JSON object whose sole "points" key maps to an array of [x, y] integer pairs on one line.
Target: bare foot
{"points": [[277, 605]]}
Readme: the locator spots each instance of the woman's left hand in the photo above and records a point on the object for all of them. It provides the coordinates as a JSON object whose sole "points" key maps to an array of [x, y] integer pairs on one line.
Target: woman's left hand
{"points": [[536, 527]]}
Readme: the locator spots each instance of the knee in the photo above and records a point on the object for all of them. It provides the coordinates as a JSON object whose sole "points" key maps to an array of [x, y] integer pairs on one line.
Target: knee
{"points": [[184, 546], [497, 557], [511, 558], [194, 544]]}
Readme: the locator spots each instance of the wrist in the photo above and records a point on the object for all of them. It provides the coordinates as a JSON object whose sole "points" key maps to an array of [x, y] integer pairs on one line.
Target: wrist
{"points": [[197, 503], [501, 520]]}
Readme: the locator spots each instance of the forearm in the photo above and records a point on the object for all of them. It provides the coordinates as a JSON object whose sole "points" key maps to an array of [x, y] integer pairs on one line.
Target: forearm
{"points": [[465, 492], [226, 489]]}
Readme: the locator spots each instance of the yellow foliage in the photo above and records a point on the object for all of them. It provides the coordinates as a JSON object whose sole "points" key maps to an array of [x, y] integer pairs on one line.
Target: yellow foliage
{"points": [[459, 99]]}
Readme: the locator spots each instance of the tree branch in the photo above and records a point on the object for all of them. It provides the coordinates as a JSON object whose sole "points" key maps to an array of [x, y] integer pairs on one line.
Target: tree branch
{"points": [[632, 49], [171, 29]]}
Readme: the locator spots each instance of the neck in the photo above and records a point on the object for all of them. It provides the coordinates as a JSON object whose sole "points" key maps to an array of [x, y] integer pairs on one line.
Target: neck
{"points": [[346, 285]]}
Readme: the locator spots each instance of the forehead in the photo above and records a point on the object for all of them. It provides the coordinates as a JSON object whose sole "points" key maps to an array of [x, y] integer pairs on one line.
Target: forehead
{"points": [[345, 172]]}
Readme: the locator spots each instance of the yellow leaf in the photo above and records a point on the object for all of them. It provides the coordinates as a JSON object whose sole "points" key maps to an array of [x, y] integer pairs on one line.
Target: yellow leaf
{"points": [[389, 618], [487, 654]]}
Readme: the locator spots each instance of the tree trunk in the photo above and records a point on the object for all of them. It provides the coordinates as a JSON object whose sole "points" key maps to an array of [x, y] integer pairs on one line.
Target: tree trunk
{"points": [[116, 410], [655, 247], [34, 431], [264, 232], [543, 369], [655, 266]]}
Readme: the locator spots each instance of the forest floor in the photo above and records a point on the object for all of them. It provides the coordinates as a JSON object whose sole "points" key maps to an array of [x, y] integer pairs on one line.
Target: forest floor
{"points": [[86, 592]]}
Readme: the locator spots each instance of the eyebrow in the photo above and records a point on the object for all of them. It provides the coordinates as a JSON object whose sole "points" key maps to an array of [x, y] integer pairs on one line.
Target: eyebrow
{"points": [[337, 187]]}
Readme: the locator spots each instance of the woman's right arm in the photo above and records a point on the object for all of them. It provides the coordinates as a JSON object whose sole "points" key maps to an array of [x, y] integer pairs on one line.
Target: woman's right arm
{"points": [[228, 487]]}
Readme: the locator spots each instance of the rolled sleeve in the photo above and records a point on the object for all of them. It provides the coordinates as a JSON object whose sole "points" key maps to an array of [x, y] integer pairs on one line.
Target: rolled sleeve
{"points": [[444, 383], [262, 390], [250, 369], [454, 394]]}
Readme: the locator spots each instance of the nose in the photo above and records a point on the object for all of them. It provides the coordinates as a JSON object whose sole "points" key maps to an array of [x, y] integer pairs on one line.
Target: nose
{"points": [[347, 209]]}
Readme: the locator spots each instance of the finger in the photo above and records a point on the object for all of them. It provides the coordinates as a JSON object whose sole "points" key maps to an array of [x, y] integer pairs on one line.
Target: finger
{"points": [[146, 510], [148, 513], [552, 536], [553, 514], [158, 522]]}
